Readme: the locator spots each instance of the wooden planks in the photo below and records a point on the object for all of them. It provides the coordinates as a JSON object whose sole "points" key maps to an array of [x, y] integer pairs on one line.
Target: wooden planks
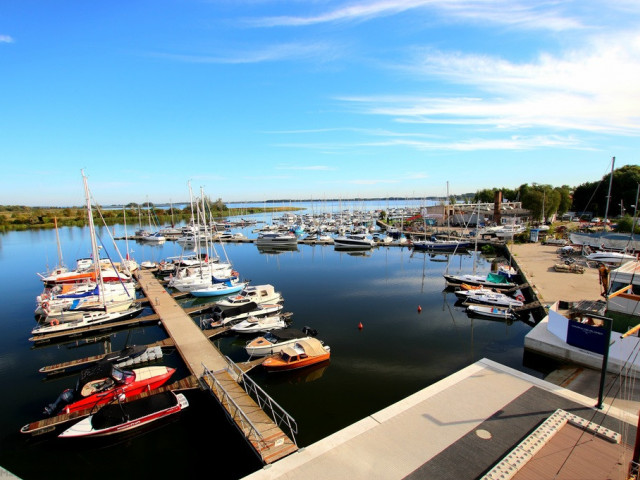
{"points": [[200, 355]]}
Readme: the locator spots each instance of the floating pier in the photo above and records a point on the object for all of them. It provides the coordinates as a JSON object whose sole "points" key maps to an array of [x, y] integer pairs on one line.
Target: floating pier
{"points": [[218, 374]]}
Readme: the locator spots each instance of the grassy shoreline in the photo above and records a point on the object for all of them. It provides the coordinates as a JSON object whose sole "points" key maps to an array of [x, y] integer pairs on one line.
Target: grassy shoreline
{"points": [[32, 218]]}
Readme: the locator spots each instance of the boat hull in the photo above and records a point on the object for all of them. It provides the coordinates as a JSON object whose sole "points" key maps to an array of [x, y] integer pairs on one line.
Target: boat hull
{"points": [[147, 379], [117, 418]]}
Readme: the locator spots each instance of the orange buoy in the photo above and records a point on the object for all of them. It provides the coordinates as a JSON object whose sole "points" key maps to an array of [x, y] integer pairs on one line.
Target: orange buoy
{"points": [[419, 308], [360, 326]]}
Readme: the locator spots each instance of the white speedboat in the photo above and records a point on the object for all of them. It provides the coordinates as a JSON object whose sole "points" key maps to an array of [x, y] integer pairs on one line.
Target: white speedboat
{"points": [[488, 297], [260, 324], [221, 317], [252, 293], [612, 258], [490, 311], [274, 239], [353, 240]]}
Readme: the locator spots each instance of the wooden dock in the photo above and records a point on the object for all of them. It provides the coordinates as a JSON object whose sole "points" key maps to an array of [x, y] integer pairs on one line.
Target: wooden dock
{"points": [[210, 366]]}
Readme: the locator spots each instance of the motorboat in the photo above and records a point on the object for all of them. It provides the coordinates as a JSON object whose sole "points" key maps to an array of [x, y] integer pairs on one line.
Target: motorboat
{"points": [[440, 245], [219, 289], [122, 416], [487, 296], [221, 317], [353, 240], [88, 319], [382, 239], [253, 324], [303, 353], [252, 293], [610, 257], [491, 311], [155, 237], [100, 384], [275, 239], [274, 342], [491, 280]]}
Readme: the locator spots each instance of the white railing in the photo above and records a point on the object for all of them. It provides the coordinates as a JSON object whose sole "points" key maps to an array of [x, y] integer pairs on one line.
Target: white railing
{"points": [[280, 417]]}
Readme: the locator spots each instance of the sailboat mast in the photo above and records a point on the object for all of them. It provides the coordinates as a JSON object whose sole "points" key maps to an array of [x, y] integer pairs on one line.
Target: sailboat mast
{"points": [[60, 261], [606, 212], [94, 243]]}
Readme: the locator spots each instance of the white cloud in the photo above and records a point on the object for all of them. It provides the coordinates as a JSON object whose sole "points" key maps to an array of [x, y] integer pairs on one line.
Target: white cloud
{"points": [[6, 39], [592, 89]]}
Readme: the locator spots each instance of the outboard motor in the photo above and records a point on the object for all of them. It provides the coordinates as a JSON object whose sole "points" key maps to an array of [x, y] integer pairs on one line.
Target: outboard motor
{"points": [[312, 332], [65, 398]]}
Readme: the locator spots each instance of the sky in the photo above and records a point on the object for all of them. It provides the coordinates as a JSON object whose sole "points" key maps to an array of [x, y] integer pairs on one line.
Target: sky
{"points": [[252, 100]]}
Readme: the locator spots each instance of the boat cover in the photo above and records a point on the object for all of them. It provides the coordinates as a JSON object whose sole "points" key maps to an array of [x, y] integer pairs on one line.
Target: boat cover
{"points": [[312, 347], [233, 311], [117, 414], [496, 278], [289, 334]]}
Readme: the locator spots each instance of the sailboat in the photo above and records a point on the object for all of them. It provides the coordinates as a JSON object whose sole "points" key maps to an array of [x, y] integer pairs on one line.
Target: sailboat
{"points": [[95, 308], [439, 245], [490, 280]]}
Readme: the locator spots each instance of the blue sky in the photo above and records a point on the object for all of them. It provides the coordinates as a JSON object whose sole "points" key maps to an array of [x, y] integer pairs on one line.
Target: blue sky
{"points": [[261, 99]]}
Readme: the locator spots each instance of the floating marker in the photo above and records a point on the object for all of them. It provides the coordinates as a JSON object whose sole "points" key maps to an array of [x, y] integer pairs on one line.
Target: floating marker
{"points": [[360, 326], [419, 308]]}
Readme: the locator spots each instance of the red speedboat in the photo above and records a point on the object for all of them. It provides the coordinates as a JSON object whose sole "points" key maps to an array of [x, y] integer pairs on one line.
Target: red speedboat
{"points": [[104, 382], [120, 417]]}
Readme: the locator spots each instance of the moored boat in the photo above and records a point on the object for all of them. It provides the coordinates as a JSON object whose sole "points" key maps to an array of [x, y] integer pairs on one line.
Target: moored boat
{"points": [[88, 319], [353, 240], [487, 296], [120, 417], [273, 342], [219, 289], [101, 383], [221, 317], [260, 324], [252, 293], [303, 353], [491, 311]]}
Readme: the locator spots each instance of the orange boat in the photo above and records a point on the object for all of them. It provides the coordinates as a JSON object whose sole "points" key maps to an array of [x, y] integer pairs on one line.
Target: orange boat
{"points": [[303, 353]]}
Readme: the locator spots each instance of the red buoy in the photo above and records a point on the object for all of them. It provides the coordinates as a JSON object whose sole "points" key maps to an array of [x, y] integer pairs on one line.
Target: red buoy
{"points": [[360, 326], [419, 308]]}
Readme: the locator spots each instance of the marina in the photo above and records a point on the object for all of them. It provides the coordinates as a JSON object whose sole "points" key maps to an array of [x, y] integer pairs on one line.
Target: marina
{"points": [[416, 292]]}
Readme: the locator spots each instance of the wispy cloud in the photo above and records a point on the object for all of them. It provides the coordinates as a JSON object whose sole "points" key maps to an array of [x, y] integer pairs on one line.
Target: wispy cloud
{"points": [[6, 39], [503, 12], [268, 53], [304, 167]]}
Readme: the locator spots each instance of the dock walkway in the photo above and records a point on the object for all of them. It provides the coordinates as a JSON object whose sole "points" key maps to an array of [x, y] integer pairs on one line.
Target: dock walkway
{"points": [[205, 361]]}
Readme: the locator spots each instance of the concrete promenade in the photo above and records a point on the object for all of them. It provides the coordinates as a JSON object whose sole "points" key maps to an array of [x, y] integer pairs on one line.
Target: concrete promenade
{"points": [[457, 428]]}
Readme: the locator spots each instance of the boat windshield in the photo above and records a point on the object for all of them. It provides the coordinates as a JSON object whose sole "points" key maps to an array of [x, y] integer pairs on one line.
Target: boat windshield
{"points": [[120, 376]]}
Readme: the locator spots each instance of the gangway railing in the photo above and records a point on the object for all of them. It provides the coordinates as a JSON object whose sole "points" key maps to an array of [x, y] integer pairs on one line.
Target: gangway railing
{"points": [[267, 404], [278, 414], [234, 410]]}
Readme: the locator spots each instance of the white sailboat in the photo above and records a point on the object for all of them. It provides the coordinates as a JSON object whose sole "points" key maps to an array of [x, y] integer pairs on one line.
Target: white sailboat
{"points": [[92, 309]]}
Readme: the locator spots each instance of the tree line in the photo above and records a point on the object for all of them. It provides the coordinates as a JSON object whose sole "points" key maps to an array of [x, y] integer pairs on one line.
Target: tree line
{"points": [[587, 199]]}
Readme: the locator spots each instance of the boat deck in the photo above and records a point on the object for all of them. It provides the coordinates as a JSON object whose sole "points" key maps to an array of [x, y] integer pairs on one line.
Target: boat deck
{"points": [[201, 357]]}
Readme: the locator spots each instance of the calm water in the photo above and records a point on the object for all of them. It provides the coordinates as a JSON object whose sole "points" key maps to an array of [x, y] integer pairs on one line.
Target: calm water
{"points": [[398, 352]]}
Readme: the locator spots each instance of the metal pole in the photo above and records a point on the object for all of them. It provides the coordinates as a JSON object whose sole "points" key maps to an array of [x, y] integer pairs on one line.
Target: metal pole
{"points": [[605, 358]]}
